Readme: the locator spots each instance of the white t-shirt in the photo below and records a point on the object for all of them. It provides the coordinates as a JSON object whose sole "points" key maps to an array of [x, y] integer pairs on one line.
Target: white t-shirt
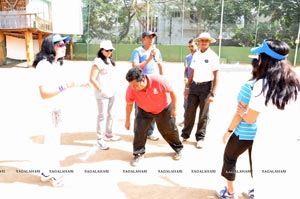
{"points": [[204, 64], [51, 75], [276, 147], [105, 78]]}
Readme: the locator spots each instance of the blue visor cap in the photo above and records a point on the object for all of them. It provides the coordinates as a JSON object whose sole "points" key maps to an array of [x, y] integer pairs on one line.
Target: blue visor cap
{"points": [[58, 38], [264, 48]]}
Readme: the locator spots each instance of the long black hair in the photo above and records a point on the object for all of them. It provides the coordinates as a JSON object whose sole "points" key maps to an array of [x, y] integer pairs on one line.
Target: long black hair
{"points": [[101, 56], [254, 64], [280, 81], [47, 52]]}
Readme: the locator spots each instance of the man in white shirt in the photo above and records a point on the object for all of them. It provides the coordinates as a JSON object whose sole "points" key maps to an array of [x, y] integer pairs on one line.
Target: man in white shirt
{"points": [[201, 88]]}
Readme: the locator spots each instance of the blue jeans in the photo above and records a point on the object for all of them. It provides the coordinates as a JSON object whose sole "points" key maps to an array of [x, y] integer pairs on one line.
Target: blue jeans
{"points": [[165, 124], [197, 97]]}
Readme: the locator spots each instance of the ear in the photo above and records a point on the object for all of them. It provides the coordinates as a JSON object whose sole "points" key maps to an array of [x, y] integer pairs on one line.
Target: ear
{"points": [[144, 81]]}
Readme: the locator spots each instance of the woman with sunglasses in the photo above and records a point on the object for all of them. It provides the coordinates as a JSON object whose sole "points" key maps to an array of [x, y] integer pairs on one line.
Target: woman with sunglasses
{"points": [[102, 77], [51, 81]]}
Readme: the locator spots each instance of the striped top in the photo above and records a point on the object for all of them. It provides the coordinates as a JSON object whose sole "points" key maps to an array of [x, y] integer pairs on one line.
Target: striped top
{"points": [[246, 131]]}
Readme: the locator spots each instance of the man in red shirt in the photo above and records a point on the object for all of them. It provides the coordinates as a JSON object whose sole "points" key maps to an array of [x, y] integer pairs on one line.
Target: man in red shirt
{"points": [[155, 100]]}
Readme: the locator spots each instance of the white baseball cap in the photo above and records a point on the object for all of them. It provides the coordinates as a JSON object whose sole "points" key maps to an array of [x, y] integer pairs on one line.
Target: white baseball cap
{"points": [[106, 45]]}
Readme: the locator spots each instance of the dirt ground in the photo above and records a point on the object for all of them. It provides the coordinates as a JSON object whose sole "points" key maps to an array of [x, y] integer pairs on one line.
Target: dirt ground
{"points": [[108, 174]]}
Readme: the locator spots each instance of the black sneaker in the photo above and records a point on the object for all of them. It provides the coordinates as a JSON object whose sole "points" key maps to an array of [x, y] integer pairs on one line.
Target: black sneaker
{"points": [[136, 160]]}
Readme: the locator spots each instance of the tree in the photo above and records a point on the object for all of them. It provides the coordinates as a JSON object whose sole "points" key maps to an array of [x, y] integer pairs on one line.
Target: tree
{"points": [[111, 19], [246, 22], [101, 17], [237, 15], [284, 18]]}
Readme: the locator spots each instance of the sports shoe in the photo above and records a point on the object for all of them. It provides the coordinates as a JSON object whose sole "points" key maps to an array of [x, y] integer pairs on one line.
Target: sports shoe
{"points": [[181, 124], [177, 155], [101, 144], [152, 137], [249, 195], [224, 194], [136, 160], [45, 177], [199, 144], [57, 181], [111, 137]]}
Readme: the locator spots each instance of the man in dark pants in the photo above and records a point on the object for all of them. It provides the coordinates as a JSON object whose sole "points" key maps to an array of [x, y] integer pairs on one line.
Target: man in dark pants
{"points": [[201, 88], [155, 100], [187, 68], [148, 58]]}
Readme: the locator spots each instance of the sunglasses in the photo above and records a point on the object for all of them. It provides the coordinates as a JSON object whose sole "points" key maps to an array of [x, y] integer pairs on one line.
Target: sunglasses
{"points": [[108, 50], [204, 40], [61, 45]]}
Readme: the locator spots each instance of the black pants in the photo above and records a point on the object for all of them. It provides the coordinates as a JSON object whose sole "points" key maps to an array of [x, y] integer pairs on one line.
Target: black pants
{"points": [[233, 150], [152, 126], [197, 97], [165, 124]]}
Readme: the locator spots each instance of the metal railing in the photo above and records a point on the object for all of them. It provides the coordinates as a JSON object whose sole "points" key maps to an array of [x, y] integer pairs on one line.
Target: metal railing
{"points": [[23, 20]]}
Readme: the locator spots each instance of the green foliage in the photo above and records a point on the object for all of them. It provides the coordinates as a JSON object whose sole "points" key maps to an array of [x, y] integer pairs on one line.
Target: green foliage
{"points": [[286, 12], [101, 19], [244, 36], [176, 53], [284, 18], [246, 22]]}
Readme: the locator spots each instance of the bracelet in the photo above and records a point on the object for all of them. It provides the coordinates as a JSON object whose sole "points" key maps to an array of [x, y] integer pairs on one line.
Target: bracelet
{"points": [[61, 88], [229, 131]]}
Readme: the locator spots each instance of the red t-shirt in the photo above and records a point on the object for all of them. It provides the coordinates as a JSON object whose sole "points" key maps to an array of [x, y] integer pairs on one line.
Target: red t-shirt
{"points": [[155, 98]]}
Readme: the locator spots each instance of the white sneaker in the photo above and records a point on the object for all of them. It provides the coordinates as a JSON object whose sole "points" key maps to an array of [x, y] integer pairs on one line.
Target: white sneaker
{"points": [[181, 124], [57, 181], [182, 139], [199, 144], [111, 137], [101, 144], [177, 156], [249, 194], [136, 160], [45, 177], [152, 137]]}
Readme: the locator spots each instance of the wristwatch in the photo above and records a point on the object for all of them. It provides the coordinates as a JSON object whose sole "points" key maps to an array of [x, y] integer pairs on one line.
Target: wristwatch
{"points": [[229, 131]]}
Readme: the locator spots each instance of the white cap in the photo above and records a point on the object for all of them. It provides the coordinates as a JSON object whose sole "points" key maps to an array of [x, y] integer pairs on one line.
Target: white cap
{"points": [[106, 45]]}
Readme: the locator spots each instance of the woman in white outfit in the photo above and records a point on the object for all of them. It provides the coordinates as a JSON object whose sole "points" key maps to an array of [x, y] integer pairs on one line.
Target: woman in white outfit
{"points": [[102, 77], [52, 83]]}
